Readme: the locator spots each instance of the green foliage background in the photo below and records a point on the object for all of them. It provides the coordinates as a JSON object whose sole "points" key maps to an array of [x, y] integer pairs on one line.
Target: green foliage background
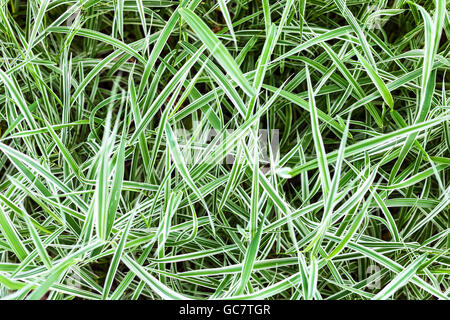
{"points": [[102, 198]]}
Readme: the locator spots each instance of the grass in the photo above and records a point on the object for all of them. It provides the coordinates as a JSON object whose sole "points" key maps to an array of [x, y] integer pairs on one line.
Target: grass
{"points": [[132, 164]]}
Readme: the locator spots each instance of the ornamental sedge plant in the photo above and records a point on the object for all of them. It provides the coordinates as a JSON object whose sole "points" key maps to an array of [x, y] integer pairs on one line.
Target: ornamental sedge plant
{"points": [[159, 149]]}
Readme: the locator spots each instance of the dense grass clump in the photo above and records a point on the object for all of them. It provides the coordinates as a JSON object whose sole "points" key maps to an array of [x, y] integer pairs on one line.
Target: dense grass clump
{"points": [[159, 149]]}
